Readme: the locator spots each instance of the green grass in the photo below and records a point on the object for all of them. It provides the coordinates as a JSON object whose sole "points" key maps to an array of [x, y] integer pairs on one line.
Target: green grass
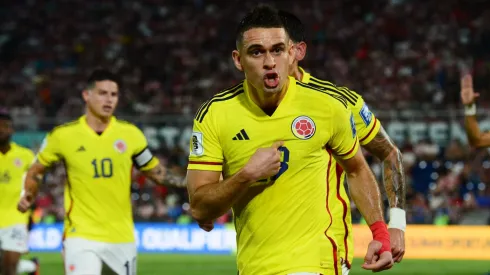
{"points": [[154, 264]]}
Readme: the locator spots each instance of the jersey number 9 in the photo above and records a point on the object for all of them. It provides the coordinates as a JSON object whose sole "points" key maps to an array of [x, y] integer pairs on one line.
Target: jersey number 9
{"points": [[105, 168]]}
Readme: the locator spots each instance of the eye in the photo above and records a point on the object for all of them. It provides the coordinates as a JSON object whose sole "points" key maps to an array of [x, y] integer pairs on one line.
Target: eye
{"points": [[255, 52], [277, 50]]}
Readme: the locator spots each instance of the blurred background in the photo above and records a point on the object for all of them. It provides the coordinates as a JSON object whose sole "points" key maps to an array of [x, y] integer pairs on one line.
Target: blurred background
{"points": [[405, 57]]}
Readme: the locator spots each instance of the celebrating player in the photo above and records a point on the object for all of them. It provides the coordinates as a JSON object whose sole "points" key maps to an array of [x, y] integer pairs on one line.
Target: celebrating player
{"points": [[98, 152], [274, 138], [374, 139], [14, 162], [468, 96]]}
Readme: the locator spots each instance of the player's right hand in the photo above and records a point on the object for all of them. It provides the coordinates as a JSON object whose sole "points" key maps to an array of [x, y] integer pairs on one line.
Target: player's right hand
{"points": [[375, 262], [468, 95], [25, 202], [264, 163]]}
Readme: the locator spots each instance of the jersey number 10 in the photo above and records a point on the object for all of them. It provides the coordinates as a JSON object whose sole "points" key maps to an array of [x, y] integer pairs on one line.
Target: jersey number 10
{"points": [[105, 170]]}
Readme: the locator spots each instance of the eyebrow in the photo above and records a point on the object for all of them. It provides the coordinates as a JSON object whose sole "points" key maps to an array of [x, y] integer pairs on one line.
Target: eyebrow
{"points": [[253, 46]]}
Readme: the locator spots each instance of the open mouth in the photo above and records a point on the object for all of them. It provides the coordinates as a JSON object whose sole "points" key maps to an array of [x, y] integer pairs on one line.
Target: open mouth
{"points": [[271, 80], [107, 108]]}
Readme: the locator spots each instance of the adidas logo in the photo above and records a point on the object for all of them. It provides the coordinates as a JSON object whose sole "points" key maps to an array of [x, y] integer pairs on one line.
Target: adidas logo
{"points": [[241, 136], [81, 149]]}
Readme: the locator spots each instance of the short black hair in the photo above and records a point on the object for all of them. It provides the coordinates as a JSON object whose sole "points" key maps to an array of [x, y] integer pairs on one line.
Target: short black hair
{"points": [[101, 75], [293, 25], [262, 16], [5, 116]]}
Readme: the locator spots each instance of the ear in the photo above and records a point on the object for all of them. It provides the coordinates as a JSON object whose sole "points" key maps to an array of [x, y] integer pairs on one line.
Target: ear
{"points": [[236, 59], [85, 95], [292, 54], [300, 51]]}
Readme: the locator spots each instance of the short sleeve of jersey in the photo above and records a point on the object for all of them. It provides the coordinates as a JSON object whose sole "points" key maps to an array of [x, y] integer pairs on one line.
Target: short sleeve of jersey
{"points": [[343, 142], [50, 151], [142, 157], [367, 125], [205, 148]]}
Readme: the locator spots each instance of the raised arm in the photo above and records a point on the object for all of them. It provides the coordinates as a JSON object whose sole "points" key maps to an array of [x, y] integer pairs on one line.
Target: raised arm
{"points": [[468, 96]]}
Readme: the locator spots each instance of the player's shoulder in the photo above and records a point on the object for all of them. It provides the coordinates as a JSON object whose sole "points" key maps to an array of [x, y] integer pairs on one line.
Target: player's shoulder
{"points": [[219, 101], [127, 127], [352, 98], [322, 96], [21, 150], [65, 127]]}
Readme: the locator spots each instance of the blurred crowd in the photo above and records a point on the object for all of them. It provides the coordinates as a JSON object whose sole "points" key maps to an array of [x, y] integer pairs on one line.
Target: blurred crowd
{"points": [[399, 54]]}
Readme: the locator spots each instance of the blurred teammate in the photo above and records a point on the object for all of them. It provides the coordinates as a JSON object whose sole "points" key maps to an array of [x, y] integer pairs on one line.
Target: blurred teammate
{"points": [[98, 152], [14, 162], [374, 139], [476, 138], [273, 139]]}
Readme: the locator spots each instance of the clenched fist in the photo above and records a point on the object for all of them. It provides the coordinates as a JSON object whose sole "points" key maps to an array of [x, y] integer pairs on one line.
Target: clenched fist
{"points": [[264, 163]]}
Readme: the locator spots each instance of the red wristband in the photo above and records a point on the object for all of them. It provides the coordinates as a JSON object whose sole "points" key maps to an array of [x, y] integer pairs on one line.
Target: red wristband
{"points": [[380, 234]]}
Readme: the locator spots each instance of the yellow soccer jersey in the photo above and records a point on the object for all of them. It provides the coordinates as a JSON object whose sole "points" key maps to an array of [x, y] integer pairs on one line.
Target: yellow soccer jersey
{"points": [[367, 127], [281, 225], [97, 193], [13, 166]]}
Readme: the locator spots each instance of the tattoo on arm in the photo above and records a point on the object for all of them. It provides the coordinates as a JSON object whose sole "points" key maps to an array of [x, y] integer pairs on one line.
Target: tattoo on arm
{"points": [[393, 174]]}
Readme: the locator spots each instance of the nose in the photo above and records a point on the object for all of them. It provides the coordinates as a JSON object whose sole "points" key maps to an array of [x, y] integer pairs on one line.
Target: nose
{"points": [[269, 61]]}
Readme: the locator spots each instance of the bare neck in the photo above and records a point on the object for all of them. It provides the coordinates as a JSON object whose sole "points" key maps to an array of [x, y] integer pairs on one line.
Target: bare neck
{"points": [[268, 101], [98, 124], [296, 73]]}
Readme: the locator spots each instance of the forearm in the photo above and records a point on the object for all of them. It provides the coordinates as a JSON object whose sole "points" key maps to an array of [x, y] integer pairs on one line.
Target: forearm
{"points": [[365, 194], [472, 130], [161, 176], [394, 179], [33, 177], [211, 201], [386, 151]]}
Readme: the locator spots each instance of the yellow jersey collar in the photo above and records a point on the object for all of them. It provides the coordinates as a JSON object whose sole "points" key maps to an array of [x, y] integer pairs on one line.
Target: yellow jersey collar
{"points": [[288, 97], [306, 76], [83, 121]]}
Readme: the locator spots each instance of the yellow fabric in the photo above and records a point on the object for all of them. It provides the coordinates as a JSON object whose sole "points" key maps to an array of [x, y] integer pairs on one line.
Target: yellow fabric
{"points": [[280, 224], [13, 166], [97, 193], [367, 126]]}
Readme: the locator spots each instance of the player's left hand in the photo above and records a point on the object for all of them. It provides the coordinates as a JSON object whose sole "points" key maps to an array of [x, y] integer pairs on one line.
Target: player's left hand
{"points": [[397, 240], [375, 262], [206, 226]]}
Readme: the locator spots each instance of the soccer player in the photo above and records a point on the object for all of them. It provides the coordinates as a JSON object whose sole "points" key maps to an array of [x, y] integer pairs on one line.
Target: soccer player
{"points": [[14, 162], [374, 139], [98, 152], [273, 139], [476, 138]]}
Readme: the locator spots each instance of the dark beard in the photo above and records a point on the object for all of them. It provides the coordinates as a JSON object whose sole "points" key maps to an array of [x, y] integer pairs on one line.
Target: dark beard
{"points": [[4, 142]]}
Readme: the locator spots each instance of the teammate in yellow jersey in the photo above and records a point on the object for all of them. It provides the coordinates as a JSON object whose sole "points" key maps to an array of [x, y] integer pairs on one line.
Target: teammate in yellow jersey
{"points": [[98, 152], [374, 139], [273, 139], [14, 162]]}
